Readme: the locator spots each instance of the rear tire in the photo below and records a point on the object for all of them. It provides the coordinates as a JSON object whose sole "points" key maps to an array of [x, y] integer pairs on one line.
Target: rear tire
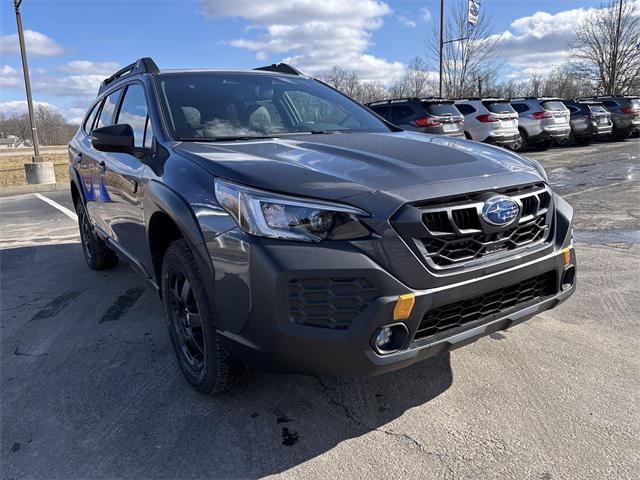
{"points": [[96, 252], [521, 142], [204, 361]]}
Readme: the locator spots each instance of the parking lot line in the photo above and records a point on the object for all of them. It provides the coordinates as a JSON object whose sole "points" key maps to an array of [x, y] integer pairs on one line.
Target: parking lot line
{"points": [[65, 210]]}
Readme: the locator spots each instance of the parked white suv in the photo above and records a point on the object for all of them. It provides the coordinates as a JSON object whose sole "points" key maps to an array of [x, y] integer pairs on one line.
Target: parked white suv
{"points": [[490, 120], [542, 121]]}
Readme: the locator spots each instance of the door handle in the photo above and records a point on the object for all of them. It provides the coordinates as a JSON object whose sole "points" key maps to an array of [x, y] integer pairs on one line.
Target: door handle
{"points": [[102, 167]]}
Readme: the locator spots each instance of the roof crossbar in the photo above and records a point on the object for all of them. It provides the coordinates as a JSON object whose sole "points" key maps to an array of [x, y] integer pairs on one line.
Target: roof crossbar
{"points": [[280, 68], [142, 65]]}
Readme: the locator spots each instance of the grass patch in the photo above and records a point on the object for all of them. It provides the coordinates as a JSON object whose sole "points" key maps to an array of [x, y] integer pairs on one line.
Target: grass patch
{"points": [[12, 172]]}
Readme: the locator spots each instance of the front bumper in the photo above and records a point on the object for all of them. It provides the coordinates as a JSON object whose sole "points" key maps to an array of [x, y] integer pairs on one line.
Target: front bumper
{"points": [[257, 326]]}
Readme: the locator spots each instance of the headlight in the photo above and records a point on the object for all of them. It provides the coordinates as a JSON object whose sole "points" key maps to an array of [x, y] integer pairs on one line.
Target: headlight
{"points": [[278, 216]]}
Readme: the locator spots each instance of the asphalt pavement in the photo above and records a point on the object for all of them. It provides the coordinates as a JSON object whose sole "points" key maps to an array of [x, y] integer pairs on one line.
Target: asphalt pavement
{"points": [[89, 387]]}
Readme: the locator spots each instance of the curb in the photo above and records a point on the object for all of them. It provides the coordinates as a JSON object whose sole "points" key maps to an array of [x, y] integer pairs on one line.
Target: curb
{"points": [[22, 189]]}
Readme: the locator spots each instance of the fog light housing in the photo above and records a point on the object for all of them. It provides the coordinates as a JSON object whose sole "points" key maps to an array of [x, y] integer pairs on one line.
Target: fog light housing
{"points": [[389, 338]]}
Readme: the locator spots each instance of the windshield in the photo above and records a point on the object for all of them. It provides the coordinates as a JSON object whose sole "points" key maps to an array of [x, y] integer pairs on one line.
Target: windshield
{"points": [[441, 109], [218, 106], [498, 107], [553, 106], [635, 103]]}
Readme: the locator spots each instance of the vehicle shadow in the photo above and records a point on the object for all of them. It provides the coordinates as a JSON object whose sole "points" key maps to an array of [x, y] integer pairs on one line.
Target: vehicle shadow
{"points": [[91, 389]]}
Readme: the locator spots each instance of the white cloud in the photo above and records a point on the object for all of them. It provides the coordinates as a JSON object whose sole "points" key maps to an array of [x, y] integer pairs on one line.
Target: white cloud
{"points": [[91, 68], [312, 35], [38, 44], [425, 14], [406, 21], [16, 107], [539, 42], [9, 77]]}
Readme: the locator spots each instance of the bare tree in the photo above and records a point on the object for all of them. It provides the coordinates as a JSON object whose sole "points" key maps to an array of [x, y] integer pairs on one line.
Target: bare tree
{"points": [[53, 129], [474, 57], [607, 47]]}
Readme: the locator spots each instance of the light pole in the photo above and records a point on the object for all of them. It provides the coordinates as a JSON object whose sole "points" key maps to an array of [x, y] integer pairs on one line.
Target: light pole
{"points": [[441, 43], [27, 82], [37, 171]]}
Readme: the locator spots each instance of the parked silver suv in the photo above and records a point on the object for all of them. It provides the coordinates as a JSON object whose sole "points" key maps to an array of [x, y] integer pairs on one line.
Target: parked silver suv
{"points": [[625, 114], [541, 122]]}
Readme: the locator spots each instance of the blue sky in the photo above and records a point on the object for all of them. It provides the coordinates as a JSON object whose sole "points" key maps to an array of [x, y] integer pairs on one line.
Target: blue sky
{"points": [[74, 44]]}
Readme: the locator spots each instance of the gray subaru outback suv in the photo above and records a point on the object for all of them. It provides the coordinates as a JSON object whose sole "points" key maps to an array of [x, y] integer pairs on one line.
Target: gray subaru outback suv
{"points": [[286, 227]]}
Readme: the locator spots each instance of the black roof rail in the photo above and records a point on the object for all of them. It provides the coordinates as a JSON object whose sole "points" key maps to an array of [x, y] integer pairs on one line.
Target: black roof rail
{"points": [[280, 68], [390, 100], [142, 65]]}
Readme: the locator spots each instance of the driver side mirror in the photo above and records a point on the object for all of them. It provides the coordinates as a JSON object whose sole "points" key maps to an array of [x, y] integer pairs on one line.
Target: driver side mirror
{"points": [[116, 138]]}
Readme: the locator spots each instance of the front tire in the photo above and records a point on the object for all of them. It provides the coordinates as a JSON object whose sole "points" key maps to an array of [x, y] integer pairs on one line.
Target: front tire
{"points": [[205, 363], [96, 252]]}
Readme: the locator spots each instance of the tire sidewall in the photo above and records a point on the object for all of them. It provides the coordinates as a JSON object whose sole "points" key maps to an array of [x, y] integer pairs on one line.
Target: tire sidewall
{"points": [[179, 258]]}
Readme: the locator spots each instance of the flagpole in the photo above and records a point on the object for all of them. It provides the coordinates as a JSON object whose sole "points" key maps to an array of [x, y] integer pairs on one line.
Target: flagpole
{"points": [[441, 44]]}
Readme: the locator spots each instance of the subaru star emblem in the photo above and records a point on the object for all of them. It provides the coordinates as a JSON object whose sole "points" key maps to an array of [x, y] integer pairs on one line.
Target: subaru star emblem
{"points": [[500, 211]]}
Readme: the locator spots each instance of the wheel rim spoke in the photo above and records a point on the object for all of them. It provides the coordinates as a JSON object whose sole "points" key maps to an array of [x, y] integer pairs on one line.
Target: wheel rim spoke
{"points": [[184, 293], [186, 321]]}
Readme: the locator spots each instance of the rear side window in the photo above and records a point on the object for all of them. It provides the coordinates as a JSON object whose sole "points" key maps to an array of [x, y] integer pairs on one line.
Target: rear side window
{"points": [[441, 109], [133, 111], [520, 107], [597, 109], [571, 108], [382, 111], [553, 106], [88, 122], [400, 114], [465, 108], [609, 103], [498, 107], [109, 109]]}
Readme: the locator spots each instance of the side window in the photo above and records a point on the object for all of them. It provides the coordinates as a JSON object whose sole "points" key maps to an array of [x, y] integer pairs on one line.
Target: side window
{"points": [[609, 103], [88, 122], [108, 109], [465, 108], [382, 111], [133, 111], [520, 107], [573, 109], [400, 114]]}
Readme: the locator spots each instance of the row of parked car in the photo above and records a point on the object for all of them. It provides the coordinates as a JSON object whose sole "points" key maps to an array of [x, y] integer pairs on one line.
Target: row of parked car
{"points": [[517, 123]]}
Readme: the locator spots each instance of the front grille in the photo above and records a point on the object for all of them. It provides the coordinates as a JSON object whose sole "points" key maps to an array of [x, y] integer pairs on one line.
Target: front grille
{"points": [[487, 306], [455, 235], [329, 302]]}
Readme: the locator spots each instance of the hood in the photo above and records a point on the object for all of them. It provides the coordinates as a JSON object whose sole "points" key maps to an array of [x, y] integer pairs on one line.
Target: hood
{"points": [[404, 165]]}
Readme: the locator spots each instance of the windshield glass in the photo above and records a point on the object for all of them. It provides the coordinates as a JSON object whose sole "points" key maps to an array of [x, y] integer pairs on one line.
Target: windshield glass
{"points": [[553, 106], [635, 103], [216, 105], [498, 107], [441, 109]]}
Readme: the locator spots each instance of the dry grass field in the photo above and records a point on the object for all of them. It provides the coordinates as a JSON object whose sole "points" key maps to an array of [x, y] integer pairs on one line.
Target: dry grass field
{"points": [[12, 164]]}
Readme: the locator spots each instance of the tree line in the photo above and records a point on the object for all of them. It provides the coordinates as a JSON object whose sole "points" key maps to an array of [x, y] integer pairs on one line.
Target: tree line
{"points": [[53, 128]]}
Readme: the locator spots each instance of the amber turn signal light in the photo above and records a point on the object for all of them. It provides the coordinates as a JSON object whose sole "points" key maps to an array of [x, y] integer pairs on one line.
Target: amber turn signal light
{"points": [[566, 256], [403, 307]]}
